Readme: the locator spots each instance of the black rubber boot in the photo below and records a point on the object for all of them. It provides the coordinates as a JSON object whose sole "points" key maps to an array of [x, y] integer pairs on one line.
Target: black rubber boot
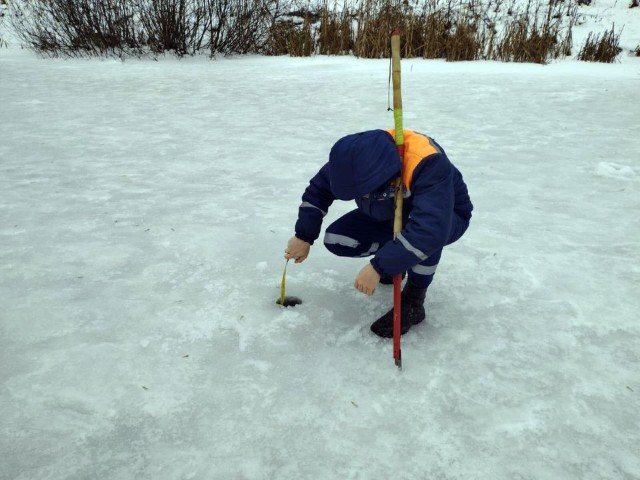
{"points": [[389, 280], [412, 312]]}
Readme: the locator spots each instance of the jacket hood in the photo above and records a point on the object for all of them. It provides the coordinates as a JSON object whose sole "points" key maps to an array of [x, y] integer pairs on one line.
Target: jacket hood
{"points": [[361, 162]]}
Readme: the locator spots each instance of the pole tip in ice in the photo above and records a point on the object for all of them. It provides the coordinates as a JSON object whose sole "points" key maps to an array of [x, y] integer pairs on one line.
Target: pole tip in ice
{"points": [[289, 301], [397, 357]]}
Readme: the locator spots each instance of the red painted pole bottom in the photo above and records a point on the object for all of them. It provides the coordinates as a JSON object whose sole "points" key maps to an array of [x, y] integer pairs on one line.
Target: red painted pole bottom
{"points": [[397, 303]]}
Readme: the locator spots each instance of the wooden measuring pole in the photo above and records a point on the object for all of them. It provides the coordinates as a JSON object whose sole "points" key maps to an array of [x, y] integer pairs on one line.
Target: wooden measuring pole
{"points": [[397, 221]]}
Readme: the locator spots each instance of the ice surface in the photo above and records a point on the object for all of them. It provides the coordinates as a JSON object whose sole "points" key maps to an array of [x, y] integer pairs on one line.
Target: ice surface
{"points": [[144, 210]]}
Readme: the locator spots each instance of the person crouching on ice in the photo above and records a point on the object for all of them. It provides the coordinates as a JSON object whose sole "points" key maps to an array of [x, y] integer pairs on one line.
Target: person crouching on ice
{"points": [[436, 212]]}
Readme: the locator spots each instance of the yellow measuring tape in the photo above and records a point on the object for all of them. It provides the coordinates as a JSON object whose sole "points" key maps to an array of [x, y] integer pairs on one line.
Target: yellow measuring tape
{"points": [[284, 283]]}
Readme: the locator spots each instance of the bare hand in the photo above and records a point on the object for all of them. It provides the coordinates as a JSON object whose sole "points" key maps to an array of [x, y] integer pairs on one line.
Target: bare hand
{"points": [[367, 280], [297, 249]]}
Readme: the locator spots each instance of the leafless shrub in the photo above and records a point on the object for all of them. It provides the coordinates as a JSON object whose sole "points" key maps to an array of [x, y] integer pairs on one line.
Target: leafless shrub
{"points": [[280, 37], [179, 26], [466, 31], [436, 34], [291, 36], [454, 30], [240, 26], [124, 27], [534, 36], [599, 48], [77, 27], [334, 30], [462, 44], [376, 19]]}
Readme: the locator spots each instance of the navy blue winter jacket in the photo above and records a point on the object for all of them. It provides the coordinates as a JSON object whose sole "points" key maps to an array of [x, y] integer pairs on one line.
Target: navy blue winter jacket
{"points": [[362, 166]]}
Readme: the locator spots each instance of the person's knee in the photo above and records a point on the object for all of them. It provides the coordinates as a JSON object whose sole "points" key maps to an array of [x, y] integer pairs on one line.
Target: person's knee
{"points": [[336, 249]]}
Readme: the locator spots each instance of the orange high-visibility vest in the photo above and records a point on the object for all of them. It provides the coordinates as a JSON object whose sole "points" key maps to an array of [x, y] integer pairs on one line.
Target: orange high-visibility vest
{"points": [[416, 148]]}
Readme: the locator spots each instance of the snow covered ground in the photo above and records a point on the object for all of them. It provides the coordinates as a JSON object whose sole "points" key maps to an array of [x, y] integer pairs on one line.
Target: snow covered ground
{"points": [[144, 210]]}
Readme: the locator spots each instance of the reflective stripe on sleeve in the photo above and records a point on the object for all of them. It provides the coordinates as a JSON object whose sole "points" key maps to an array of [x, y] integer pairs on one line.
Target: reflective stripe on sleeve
{"points": [[310, 205], [405, 243]]}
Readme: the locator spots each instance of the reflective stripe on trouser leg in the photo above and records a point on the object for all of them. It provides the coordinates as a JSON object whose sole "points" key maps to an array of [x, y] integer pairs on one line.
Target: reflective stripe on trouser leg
{"points": [[344, 246], [357, 235], [422, 274], [342, 240]]}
